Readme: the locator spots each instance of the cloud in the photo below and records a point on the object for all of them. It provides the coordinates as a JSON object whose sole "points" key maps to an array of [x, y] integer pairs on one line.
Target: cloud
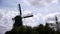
{"points": [[7, 15], [51, 17], [6, 19], [40, 3], [33, 21], [27, 13]]}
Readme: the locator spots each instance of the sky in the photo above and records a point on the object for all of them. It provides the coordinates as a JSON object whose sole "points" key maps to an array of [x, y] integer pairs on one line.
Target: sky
{"points": [[42, 10]]}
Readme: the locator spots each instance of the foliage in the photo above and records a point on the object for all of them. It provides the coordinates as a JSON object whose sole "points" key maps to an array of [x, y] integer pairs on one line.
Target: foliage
{"points": [[35, 30]]}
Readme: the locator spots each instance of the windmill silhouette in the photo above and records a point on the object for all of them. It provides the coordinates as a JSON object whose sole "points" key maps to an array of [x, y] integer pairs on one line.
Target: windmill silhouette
{"points": [[18, 18], [57, 23]]}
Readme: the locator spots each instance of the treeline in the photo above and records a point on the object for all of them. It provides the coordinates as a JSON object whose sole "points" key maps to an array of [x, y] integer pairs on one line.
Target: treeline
{"points": [[41, 29]]}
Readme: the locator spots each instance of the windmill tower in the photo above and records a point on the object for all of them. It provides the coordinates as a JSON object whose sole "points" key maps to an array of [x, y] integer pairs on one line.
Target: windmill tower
{"points": [[18, 18]]}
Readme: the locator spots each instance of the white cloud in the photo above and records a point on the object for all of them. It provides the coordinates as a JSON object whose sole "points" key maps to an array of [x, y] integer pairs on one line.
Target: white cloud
{"points": [[33, 21], [27, 13], [6, 19], [51, 17], [40, 3]]}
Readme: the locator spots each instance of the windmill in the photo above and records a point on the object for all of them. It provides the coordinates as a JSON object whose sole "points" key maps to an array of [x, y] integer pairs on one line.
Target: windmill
{"points": [[18, 18], [57, 23]]}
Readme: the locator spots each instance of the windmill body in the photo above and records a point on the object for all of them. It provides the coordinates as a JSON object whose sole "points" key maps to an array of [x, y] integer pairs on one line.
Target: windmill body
{"points": [[18, 21]]}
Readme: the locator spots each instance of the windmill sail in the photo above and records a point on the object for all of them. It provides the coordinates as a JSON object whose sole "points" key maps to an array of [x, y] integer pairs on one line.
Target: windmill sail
{"points": [[56, 19], [20, 10], [28, 16]]}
